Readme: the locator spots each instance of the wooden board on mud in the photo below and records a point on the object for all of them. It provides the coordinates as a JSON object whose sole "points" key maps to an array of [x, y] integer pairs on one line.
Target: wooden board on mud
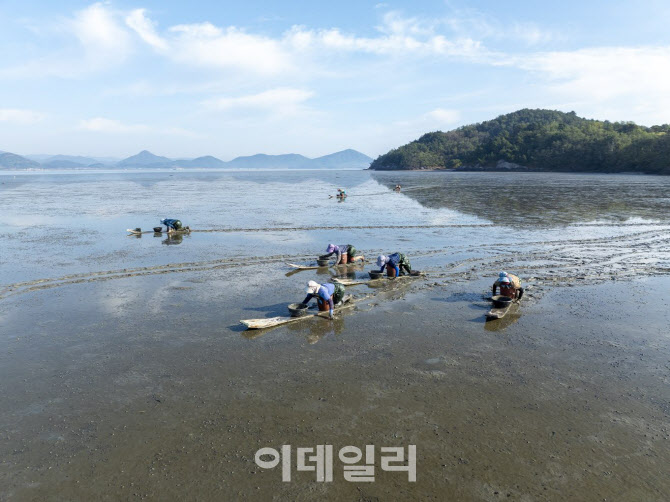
{"points": [[132, 231], [355, 282], [499, 313], [264, 323], [303, 267], [314, 267]]}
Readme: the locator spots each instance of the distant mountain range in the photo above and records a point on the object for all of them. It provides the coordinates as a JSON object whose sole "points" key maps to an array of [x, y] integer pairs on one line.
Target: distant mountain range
{"points": [[12, 161], [346, 159]]}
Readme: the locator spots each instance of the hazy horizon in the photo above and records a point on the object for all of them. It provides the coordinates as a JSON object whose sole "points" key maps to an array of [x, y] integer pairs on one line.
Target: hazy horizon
{"points": [[116, 159]]}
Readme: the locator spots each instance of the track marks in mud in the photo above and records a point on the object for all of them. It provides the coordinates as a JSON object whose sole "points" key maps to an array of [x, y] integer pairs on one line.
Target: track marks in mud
{"points": [[409, 227], [39, 284], [550, 262]]}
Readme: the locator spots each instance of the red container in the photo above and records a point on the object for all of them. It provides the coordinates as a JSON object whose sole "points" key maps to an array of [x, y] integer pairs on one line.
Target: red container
{"points": [[323, 305], [390, 270]]}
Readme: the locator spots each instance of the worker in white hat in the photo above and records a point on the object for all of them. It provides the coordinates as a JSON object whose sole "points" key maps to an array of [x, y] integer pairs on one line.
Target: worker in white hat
{"points": [[509, 284], [328, 293]]}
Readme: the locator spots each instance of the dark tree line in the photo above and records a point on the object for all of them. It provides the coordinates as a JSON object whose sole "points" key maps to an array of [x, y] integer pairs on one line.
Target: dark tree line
{"points": [[541, 140]]}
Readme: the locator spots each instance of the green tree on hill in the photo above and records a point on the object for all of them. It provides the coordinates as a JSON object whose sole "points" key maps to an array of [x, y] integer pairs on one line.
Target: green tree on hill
{"points": [[540, 140]]}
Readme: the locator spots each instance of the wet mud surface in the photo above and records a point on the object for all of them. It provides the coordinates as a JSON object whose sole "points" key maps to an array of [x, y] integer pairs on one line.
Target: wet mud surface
{"points": [[125, 374], [568, 400]]}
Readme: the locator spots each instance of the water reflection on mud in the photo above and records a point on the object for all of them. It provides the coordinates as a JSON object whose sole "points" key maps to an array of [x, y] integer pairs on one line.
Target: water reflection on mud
{"points": [[315, 329], [172, 239], [512, 316]]}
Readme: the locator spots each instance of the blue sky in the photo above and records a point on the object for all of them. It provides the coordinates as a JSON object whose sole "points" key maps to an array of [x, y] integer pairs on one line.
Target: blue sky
{"points": [[222, 78]]}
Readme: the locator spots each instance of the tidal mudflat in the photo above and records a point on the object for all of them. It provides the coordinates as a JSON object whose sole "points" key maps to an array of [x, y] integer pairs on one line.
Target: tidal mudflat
{"points": [[124, 372]]}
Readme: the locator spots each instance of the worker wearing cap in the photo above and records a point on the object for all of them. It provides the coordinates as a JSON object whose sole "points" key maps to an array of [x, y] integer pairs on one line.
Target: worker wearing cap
{"points": [[509, 284], [399, 261], [325, 293], [345, 253], [171, 224]]}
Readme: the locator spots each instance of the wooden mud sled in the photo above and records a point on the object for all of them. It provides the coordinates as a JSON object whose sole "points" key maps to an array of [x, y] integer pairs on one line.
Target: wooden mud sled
{"points": [[355, 282], [138, 231], [304, 267], [272, 322], [498, 312], [314, 267]]}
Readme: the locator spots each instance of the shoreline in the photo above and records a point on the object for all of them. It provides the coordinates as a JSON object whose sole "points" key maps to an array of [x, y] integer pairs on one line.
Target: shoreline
{"points": [[510, 171]]}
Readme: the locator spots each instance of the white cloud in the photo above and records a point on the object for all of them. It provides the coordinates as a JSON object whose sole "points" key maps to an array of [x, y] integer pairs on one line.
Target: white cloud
{"points": [[166, 88], [282, 101], [398, 36], [95, 40], [210, 46], [178, 131], [144, 27], [439, 119], [104, 36], [206, 45], [478, 25], [20, 116], [530, 33], [605, 72], [100, 124], [632, 83], [442, 116], [112, 126], [395, 24], [101, 34]]}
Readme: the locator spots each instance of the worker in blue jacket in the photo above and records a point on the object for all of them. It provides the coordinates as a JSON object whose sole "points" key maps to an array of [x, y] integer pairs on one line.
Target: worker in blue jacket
{"points": [[399, 261], [325, 293], [171, 224]]}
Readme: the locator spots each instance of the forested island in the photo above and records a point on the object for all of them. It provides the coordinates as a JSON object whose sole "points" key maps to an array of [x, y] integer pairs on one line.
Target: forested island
{"points": [[538, 140]]}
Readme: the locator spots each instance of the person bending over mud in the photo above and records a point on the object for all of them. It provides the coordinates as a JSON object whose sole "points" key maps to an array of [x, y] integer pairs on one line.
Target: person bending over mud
{"points": [[171, 224], [345, 253], [326, 295], [398, 261], [509, 284]]}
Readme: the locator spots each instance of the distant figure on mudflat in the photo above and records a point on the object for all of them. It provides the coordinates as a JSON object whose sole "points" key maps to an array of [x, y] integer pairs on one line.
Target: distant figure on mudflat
{"points": [[345, 253], [509, 284], [171, 224], [396, 264]]}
